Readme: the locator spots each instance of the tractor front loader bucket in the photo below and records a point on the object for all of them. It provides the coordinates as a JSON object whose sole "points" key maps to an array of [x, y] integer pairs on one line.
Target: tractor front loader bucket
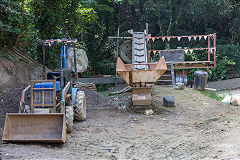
{"points": [[29, 127]]}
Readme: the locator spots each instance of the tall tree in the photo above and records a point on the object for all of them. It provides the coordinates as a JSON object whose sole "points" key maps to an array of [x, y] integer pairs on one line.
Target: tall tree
{"points": [[174, 19], [9, 21], [20, 25]]}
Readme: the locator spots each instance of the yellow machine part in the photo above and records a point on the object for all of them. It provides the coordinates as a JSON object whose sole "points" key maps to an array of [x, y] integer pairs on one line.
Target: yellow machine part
{"points": [[30, 127]]}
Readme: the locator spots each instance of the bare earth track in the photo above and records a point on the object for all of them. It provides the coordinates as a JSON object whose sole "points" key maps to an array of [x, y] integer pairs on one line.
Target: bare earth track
{"points": [[197, 128]]}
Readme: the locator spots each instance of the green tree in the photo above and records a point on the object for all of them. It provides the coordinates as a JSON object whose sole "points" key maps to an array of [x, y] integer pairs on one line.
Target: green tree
{"points": [[10, 19]]}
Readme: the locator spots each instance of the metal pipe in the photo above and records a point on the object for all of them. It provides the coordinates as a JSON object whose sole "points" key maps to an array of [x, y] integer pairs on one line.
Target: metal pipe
{"points": [[172, 73], [75, 61], [183, 75], [44, 59], [61, 68], [214, 35], [209, 45], [147, 28], [119, 37], [209, 50], [182, 36], [117, 57]]}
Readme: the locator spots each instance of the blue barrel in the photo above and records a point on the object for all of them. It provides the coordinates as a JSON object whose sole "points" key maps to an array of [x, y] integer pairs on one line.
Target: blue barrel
{"points": [[200, 80]]}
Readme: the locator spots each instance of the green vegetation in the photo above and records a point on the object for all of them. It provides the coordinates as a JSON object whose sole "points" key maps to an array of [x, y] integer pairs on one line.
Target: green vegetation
{"points": [[7, 56], [212, 95], [103, 87], [24, 22]]}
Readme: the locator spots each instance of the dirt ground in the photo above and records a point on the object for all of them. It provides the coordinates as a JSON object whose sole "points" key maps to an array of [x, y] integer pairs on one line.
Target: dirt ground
{"points": [[196, 128], [9, 100]]}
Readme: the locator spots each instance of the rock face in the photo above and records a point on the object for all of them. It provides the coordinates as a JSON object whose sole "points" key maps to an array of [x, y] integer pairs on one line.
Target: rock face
{"points": [[227, 99], [179, 86], [235, 100], [169, 101]]}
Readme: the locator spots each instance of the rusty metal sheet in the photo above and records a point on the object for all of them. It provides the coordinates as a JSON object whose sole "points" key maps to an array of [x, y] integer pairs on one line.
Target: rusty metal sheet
{"points": [[30, 127], [173, 55]]}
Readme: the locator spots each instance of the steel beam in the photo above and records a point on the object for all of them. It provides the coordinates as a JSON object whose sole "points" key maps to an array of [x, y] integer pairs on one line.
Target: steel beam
{"points": [[101, 80]]}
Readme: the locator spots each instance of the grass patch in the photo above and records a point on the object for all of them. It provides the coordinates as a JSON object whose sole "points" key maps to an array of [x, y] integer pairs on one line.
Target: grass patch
{"points": [[103, 87], [11, 58], [212, 95]]}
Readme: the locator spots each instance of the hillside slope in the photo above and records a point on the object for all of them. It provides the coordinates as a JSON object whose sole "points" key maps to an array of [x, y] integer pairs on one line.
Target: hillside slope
{"points": [[17, 67], [15, 75]]}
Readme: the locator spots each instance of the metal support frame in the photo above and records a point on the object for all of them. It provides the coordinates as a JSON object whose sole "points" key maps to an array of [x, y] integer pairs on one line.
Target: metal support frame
{"points": [[61, 68], [118, 34], [75, 61], [214, 45], [49, 43], [172, 73], [42, 92], [209, 48], [44, 59], [112, 37]]}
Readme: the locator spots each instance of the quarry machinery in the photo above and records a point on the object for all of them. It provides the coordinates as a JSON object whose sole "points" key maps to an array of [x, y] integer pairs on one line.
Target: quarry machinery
{"points": [[139, 74], [141, 66], [48, 107]]}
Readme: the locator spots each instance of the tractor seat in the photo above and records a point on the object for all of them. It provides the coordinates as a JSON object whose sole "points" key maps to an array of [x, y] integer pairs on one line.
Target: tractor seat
{"points": [[53, 75]]}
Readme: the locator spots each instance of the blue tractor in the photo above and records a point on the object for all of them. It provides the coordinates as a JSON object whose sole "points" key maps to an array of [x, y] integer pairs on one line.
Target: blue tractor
{"points": [[48, 107]]}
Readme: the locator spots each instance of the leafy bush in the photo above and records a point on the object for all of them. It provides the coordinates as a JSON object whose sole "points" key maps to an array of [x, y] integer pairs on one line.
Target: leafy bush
{"points": [[103, 87], [228, 62], [7, 56], [10, 19]]}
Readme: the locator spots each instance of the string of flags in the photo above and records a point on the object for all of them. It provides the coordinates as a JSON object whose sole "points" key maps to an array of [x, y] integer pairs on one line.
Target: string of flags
{"points": [[52, 42], [179, 37], [185, 50]]}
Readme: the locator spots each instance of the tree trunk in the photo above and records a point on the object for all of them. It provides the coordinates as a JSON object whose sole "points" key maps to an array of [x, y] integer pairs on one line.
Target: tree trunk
{"points": [[160, 25], [175, 20], [20, 26], [172, 24], [103, 43], [181, 12]]}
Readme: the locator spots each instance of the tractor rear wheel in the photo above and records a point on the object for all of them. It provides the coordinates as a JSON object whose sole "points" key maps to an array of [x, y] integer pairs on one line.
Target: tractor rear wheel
{"points": [[80, 107], [69, 118]]}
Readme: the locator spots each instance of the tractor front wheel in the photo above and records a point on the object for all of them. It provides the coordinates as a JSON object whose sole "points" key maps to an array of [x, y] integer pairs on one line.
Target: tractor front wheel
{"points": [[69, 118], [80, 107]]}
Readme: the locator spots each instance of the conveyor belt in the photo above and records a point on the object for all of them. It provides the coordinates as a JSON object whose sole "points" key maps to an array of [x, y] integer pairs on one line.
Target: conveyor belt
{"points": [[139, 54]]}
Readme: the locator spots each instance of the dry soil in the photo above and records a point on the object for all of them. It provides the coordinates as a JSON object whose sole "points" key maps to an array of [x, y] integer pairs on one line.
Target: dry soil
{"points": [[196, 128]]}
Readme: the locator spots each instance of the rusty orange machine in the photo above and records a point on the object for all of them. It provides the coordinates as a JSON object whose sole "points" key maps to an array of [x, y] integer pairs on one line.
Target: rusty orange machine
{"points": [[141, 67], [141, 81], [140, 75]]}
